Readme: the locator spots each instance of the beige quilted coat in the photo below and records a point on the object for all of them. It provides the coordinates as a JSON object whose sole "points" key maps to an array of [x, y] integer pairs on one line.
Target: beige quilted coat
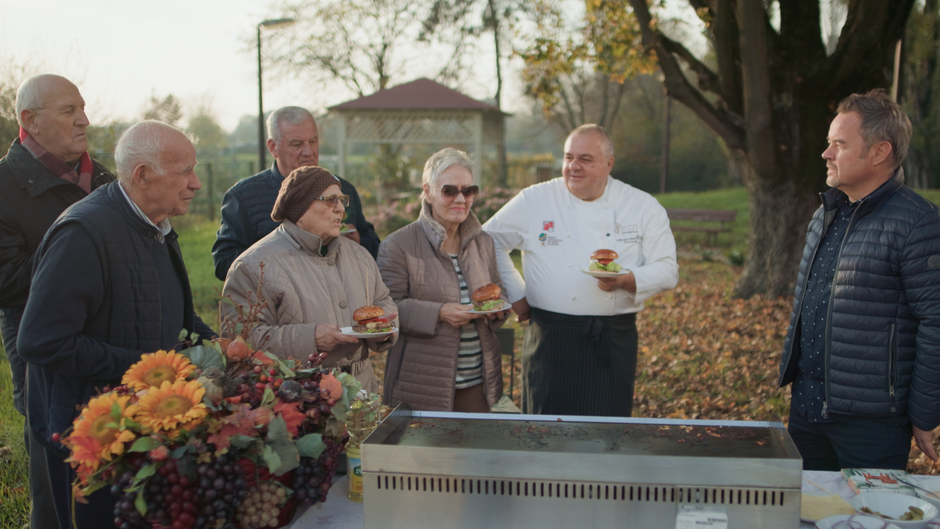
{"points": [[422, 366], [303, 289]]}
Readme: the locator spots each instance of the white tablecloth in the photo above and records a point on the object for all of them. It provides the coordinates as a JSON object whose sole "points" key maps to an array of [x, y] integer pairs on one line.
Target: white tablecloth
{"points": [[340, 513]]}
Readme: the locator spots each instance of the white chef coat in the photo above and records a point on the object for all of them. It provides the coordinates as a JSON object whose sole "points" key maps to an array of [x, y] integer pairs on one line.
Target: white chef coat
{"points": [[557, 233]]}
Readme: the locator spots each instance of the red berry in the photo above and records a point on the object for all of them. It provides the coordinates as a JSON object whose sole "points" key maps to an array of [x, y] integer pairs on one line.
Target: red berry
{"points": [[258, 370], [56, 437], [272, 371]]}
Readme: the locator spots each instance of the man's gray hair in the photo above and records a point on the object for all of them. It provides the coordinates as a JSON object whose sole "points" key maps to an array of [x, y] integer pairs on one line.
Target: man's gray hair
{"points": [[293, 115], [882, 120], [607, 144], [143, 144], [29, 94], [441, 160]]}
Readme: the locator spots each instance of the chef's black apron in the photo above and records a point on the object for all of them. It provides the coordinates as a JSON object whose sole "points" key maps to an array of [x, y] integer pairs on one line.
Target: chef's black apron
{"points": [[579, 365]]}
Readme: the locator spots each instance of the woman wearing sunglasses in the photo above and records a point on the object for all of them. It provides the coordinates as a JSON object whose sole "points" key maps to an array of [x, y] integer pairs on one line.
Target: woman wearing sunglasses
{"points": [[313, 279], [448, 359]]}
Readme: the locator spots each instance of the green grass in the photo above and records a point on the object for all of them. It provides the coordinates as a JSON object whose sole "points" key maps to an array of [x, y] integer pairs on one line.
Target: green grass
{"points": [[196, 238], [724, 199], [14, 489]]}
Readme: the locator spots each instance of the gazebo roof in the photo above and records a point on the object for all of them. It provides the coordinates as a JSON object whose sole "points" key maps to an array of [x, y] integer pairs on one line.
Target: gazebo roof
{"points": [[420, 94]]}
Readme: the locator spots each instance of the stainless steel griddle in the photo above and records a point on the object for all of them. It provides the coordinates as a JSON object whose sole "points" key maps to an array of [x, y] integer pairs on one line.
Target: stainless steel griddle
{"points": [[430, 469]]}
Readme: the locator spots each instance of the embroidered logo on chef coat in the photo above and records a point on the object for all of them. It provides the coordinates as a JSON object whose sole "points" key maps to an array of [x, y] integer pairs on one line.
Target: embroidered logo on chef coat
{"points": [[628, 233], [626, 228], [550, 241], [548, 225]]}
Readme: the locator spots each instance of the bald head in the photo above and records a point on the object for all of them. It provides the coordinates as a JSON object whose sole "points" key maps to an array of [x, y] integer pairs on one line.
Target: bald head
{"points": [[156, 166], [51, 109], [146, 143]]}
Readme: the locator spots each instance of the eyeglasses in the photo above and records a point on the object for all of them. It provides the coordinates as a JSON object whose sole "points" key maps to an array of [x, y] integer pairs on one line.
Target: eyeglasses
{"points": [[331, 200], [451, 191]]}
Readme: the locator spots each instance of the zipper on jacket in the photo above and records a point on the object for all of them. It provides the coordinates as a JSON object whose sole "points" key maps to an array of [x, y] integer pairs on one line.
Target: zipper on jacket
{"points": [[832, 297], [822, 234], [892, 366]]}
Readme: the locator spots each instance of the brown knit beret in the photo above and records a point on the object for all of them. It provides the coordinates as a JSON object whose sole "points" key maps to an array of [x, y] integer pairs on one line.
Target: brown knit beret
{"points": [[298, 191]]}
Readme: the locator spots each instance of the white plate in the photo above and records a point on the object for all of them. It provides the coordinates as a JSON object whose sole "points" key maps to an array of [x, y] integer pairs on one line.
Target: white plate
{"points": [[866, 521], [894, 505], [598, 274], [349, 332], [506, 306]]}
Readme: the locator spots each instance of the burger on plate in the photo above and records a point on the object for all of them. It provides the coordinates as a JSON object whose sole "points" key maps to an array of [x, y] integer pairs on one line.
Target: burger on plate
{"points": [[487, 298], [372, 320], [603, 261]]}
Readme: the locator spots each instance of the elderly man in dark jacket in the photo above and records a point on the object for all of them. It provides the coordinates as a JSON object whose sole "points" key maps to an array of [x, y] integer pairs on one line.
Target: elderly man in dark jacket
{"points": [[863, 347], [246, 207], [46, 170], [109, 284]]}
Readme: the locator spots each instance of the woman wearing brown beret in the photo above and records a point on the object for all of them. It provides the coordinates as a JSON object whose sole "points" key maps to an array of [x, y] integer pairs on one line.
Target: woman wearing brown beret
{"points": [[313, 279]]}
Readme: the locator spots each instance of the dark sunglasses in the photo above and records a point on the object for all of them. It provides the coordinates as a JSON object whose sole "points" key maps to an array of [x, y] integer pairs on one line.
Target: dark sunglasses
{"points": [[331, 200], [450, 191]]}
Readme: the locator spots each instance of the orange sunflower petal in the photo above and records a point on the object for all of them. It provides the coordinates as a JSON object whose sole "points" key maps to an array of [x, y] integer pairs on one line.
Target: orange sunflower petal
{"points": [[97, 436], [172, 407], [156, 368]]}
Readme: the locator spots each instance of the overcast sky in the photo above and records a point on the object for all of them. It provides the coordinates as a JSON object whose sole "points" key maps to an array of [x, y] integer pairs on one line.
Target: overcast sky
{"points": [[120, 52]]}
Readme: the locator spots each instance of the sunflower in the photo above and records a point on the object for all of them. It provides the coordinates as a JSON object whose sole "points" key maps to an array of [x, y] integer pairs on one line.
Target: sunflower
{"points": [[171, 407], [154, 369], [100, 432]]}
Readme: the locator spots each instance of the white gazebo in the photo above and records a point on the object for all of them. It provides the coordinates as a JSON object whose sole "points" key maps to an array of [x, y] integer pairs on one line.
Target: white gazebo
{"points": [[421, 111]]}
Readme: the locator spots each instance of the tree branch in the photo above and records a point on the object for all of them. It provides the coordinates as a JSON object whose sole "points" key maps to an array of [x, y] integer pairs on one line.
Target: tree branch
{"points": [[755, 76], [869, 25], [707, 80], [722, 122]]}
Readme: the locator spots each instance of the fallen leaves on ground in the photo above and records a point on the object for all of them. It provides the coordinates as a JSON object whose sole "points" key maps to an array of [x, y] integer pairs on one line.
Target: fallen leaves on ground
{"points": [[705, 355]]}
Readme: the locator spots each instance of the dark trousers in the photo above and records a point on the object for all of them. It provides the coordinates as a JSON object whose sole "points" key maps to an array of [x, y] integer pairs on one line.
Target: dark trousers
{"points": [[42, 509], [851, 442], [9, 325], [579, 365], [98, 513]]}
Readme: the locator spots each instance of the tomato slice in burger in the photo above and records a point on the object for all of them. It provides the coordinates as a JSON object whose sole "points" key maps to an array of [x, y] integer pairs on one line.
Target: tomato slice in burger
{"points": [[605, 261]]}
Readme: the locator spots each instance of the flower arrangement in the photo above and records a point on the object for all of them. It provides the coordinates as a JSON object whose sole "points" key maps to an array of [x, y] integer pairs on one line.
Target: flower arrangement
{"points": [[213, 436]]}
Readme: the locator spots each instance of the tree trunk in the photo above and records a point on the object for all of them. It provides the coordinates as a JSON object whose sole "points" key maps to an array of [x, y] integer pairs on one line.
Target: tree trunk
{"points": [[774, 95], [780, 212]]}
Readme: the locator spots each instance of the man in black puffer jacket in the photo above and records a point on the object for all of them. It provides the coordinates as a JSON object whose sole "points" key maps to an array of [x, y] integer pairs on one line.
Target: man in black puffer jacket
{"points": [[863, 347], [109, 284]]}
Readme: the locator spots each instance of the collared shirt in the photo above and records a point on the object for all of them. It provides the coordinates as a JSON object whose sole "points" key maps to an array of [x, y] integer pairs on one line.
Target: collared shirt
{"points": [[557, 233], [809, 389], [164, 225]]}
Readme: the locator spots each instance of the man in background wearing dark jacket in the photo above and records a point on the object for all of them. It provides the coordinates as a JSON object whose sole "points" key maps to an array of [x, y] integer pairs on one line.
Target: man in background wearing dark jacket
{"points": [[294, 141], [863, 347], [46, 170], [109, 284]]}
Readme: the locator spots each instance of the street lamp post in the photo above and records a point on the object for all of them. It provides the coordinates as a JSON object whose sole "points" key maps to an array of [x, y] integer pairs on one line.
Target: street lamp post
{"points": [[262, 148]]}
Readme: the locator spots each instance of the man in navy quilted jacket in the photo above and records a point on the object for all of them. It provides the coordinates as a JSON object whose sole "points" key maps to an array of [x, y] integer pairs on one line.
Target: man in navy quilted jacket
{"points": [[293, 140], [863, 347]]}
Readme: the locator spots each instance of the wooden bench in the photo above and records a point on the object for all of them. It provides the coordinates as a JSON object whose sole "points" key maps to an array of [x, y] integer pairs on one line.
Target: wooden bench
{"points": [[710, 221]]}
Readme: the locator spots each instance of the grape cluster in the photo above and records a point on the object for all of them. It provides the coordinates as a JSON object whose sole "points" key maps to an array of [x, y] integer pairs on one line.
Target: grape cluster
{"points": [[262, 506], [314, 477], [174, 501], [221, 488]]}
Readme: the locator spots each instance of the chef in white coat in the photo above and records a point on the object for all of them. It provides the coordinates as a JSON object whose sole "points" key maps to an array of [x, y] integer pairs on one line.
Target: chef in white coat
{"points": [[580, 350]]}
